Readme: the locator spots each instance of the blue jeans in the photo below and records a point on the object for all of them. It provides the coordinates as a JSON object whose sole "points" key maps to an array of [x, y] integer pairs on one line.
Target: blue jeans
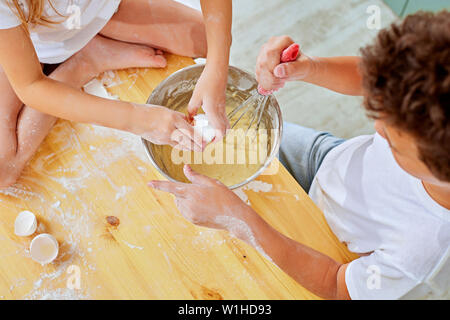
{"points": [[302, 151]]}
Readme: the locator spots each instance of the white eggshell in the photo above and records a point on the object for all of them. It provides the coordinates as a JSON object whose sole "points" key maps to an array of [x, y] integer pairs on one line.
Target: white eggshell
{"points": [[44, 248], [96, 88], [25, 224], [201, 125]]}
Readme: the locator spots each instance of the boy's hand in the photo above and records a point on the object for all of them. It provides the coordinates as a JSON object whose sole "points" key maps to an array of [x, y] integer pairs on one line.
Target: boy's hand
{"points": [[209, 94], [271, 74], [203, 201], [163, 126]]}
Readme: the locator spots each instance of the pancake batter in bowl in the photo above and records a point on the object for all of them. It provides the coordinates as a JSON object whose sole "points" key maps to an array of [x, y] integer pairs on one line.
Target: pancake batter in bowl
{"points": [[234, 159]]}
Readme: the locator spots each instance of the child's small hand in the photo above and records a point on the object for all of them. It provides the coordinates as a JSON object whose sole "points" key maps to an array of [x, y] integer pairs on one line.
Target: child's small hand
{"points": [[163, 126], [209, 94], [271, 74], [206, 201]]}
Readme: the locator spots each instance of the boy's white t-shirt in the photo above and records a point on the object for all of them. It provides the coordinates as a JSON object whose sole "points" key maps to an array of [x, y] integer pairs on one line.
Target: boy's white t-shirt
{"points": [[387, 217], [58, 42]]}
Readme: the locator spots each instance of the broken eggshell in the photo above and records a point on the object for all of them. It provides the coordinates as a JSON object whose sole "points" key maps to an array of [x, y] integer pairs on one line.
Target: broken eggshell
{"points": [[44, 248], [96, 88], [201, 125], [25, 224]]}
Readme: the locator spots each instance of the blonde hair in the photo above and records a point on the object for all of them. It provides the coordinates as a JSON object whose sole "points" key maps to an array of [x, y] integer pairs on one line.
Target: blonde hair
{"points": [[35, 14]]}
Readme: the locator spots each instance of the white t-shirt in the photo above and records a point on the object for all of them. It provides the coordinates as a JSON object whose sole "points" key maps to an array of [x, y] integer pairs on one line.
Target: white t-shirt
{"points": [[387, 217], [58, 42]]}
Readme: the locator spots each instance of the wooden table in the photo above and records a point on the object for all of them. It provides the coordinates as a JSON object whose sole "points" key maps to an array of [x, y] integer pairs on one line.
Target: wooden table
{"points": [[83, 173]]}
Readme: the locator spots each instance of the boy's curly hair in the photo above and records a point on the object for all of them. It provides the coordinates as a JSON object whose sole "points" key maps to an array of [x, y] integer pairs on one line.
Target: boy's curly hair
{"points": [[406, 78]]}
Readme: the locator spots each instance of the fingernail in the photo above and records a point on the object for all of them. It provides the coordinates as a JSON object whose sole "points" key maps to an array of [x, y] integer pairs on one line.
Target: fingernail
{"points": [[280, 71], [151, 184]]}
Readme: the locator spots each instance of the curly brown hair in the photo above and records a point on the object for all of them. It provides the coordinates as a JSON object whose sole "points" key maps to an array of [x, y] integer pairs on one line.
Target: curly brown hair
{"points": [[406, 79]]}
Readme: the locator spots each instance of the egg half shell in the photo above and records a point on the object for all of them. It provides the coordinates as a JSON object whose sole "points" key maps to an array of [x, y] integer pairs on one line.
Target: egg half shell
{"points": [[44, 248], [25, 224]]}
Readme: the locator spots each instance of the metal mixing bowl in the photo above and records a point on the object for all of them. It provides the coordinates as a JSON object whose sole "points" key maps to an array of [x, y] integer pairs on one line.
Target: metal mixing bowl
{"points": [[182, 84]]}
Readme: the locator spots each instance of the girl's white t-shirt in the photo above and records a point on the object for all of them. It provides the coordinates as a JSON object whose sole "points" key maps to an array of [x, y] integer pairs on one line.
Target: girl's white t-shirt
{"points": [[82, 20], [387, 217]]}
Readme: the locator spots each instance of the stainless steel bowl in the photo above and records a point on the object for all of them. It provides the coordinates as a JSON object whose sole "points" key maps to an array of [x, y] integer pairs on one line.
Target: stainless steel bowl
{"points": [[181, 84]]}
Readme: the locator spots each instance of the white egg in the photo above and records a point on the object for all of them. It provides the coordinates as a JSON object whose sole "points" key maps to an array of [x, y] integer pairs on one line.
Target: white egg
{"points": [[25, 224], [44, 248], [201, 125]]}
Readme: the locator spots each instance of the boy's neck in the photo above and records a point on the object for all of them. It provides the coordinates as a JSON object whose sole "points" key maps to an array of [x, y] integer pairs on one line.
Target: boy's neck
{"points": [[440, 194]]}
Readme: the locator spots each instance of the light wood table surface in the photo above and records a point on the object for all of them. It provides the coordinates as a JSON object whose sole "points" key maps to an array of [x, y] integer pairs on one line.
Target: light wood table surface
{"points": [[84, 173]]}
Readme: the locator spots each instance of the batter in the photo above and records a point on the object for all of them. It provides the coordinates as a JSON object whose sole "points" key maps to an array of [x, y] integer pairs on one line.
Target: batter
{"points": [[234, 159]]}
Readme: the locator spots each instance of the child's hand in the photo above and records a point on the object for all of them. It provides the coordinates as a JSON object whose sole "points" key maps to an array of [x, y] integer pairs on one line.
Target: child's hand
{"points": [[206, 201], [209, 94], [271, 74], [163, 126]]}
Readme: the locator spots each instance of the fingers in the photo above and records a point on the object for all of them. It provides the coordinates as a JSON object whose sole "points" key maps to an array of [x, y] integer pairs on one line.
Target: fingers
{"points": [[191, 137], [194, 104], [270, 57], [275, 48], [217, 118], [296, 70], [197, 178], [176, 188], [157, 61]]}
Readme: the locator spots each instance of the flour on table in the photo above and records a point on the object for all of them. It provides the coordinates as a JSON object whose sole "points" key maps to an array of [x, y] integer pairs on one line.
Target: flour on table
{"points": [[132, 246], [241, 230], [122, 192], [258, 186], [255, 186]]}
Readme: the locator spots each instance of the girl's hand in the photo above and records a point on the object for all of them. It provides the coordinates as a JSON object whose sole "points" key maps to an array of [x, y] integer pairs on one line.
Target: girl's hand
{"points": [[209, 94], [206, 202], [272, 74], [162, 126]]}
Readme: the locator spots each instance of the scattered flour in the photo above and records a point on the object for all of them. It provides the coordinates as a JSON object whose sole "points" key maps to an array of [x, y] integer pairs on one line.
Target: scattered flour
{"points": [[57, 294], [255, 186], [56, 204], [132, 246], [123, 192], [241, 230], [258, 186], [241, 194]]}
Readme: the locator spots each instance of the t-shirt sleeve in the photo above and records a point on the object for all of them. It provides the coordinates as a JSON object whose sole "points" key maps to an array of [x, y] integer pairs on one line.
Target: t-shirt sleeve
{"points": [[8, 18], [375, 277]]}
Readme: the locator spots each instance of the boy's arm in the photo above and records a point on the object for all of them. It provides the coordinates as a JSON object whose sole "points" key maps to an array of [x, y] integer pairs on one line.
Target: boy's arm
{"points": [[210, 90], [209, 203], [23, 70], [315, 271], [340, 74]]}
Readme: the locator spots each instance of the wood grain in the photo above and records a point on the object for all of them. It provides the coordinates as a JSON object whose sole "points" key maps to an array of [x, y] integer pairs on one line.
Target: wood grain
{"points": [[83, 174]]}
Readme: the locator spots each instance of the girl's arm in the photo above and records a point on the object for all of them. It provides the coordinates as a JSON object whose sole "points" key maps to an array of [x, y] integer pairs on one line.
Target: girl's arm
{"points": [[340, 74], [21, 65], [210, 90]]}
